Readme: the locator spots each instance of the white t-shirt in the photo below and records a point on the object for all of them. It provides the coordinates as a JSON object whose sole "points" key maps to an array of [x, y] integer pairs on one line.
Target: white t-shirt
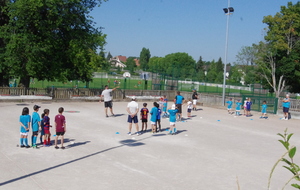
{"points": [[133, 106], [107, 95], [189, 105]]}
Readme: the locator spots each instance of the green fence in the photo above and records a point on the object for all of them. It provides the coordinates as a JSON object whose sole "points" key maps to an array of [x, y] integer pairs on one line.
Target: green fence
{"points": [[257, 102]]}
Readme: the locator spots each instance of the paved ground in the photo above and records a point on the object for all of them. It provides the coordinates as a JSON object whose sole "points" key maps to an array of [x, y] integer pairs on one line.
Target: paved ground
{"points": [[206, 154]]}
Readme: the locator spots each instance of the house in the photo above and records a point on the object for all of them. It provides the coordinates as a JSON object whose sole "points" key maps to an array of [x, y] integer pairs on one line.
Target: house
{"points": [[118, 61]]}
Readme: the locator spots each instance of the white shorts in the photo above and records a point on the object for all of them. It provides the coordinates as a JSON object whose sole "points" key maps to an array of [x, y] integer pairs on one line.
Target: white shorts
{"points": [[24, 134], [153, 123], [195, 101], [172, 123]]}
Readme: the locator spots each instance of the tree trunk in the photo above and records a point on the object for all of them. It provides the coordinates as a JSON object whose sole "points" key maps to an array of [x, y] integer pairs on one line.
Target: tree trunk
{"points": [[25, 81]]}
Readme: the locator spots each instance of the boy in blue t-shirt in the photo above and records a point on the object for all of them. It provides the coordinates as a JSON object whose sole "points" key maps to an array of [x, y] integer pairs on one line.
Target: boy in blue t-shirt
{"points": [[264, 110], [36, 124], [158, 128], [238, 108], [172, 112], [248, 107], [153, 117], [229, 107]]}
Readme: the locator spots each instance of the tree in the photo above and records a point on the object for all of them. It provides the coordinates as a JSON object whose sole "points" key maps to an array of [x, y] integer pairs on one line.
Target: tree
{"points": [[51, 40], [278, 56], [144, 59], [246, 56], [109, 56], [130, 63]]}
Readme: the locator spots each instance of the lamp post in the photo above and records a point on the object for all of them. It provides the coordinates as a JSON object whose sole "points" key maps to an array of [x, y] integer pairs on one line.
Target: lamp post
{"points": [[228, 11]]}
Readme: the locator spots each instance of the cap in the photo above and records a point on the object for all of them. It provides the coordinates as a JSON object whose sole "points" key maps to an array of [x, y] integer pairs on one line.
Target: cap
{"points": [[133, 98], [36, 107], [173, 107]]}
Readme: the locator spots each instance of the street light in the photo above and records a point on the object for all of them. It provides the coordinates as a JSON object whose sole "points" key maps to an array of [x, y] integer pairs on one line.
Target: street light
{"points": [[228, 11]]}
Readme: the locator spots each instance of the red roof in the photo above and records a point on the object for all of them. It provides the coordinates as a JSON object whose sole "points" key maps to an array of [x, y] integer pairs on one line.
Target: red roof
{"points": [[122, 58]]}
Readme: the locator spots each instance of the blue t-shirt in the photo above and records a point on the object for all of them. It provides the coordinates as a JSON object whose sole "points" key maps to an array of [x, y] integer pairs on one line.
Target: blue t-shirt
{"points": [[172, 113], [238, 106], [286, 104], [248, 105], [35, 119], [165, 105], [264, 108], [179, 99], [24, 119], [229, 104], [158, 113], [153, 113]]}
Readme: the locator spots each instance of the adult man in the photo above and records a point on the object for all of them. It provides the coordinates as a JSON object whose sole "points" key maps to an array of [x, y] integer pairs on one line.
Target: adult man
{"points": [[106, 93], [132, 109], [194, 97], [286, 106], [178, 102]]}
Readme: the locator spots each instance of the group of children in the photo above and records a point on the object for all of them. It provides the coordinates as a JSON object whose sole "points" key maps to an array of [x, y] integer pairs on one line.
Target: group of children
{"points": [[42, 125], [247, 108], [160, 110]]}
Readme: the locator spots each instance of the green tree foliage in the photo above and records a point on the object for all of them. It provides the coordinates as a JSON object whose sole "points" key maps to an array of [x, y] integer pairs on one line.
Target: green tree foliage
{"points": [[179, 65], [280, 61], [52, 40], [109, 56], [156, 65], [235, 74], [198, 72], [131, 65], [246, 55], [144, 59]]}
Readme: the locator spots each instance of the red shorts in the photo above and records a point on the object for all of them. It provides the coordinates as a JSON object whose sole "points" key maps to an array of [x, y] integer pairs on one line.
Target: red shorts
{"points": [[46, 130]]}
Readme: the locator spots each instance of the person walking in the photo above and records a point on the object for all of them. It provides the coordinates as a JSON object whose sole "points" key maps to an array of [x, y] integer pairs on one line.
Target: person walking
{"points": [[106, 94]]}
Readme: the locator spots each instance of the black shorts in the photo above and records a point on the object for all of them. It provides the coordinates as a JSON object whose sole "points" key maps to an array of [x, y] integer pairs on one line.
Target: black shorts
{"points": [[35, 133], [189, 110], [158, 120], [285, 110], [60, 133], [144, 120], [108, 104], [179, 108]]}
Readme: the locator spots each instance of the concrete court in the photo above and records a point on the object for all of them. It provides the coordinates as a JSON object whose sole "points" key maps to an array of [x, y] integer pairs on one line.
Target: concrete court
{"points": [[207, 154]]}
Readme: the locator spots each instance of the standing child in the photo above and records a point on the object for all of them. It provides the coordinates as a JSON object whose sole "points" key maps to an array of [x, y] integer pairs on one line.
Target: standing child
{"points": [[229, 107], [238, 108], [248, 109], [189, 108], [47, 128], [165, 105], [42, 134], [153, 118], [172, 119], [245, 106], [264, 110], [25, 125], [158, 126], [60, 127], [36, 124], [144, 117]]}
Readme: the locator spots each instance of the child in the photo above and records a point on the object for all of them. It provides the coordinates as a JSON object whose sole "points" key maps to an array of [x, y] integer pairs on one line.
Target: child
{"points": [[60, 127], [264, 110], [173, 111], [36, 124], [153, 118], [245, 106], [42, 135], [189, 108], [47, 126], [165, 105], [144, 117], [229, 107], [238, 108], [248, 107], [158, 129], [25, 125]]}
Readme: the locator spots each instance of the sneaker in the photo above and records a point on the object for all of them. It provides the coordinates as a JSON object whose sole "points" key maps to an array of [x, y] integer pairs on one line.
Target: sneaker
{"points": [[129, 133], [137, 133], [286, 119], [56, 147], [27, 146], [106, 115], [62, 147], [113, 115], [45, 145], [22, 146]]}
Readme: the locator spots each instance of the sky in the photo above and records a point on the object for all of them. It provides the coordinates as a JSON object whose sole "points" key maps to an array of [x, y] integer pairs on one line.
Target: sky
{"points": [[196, 27]]}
